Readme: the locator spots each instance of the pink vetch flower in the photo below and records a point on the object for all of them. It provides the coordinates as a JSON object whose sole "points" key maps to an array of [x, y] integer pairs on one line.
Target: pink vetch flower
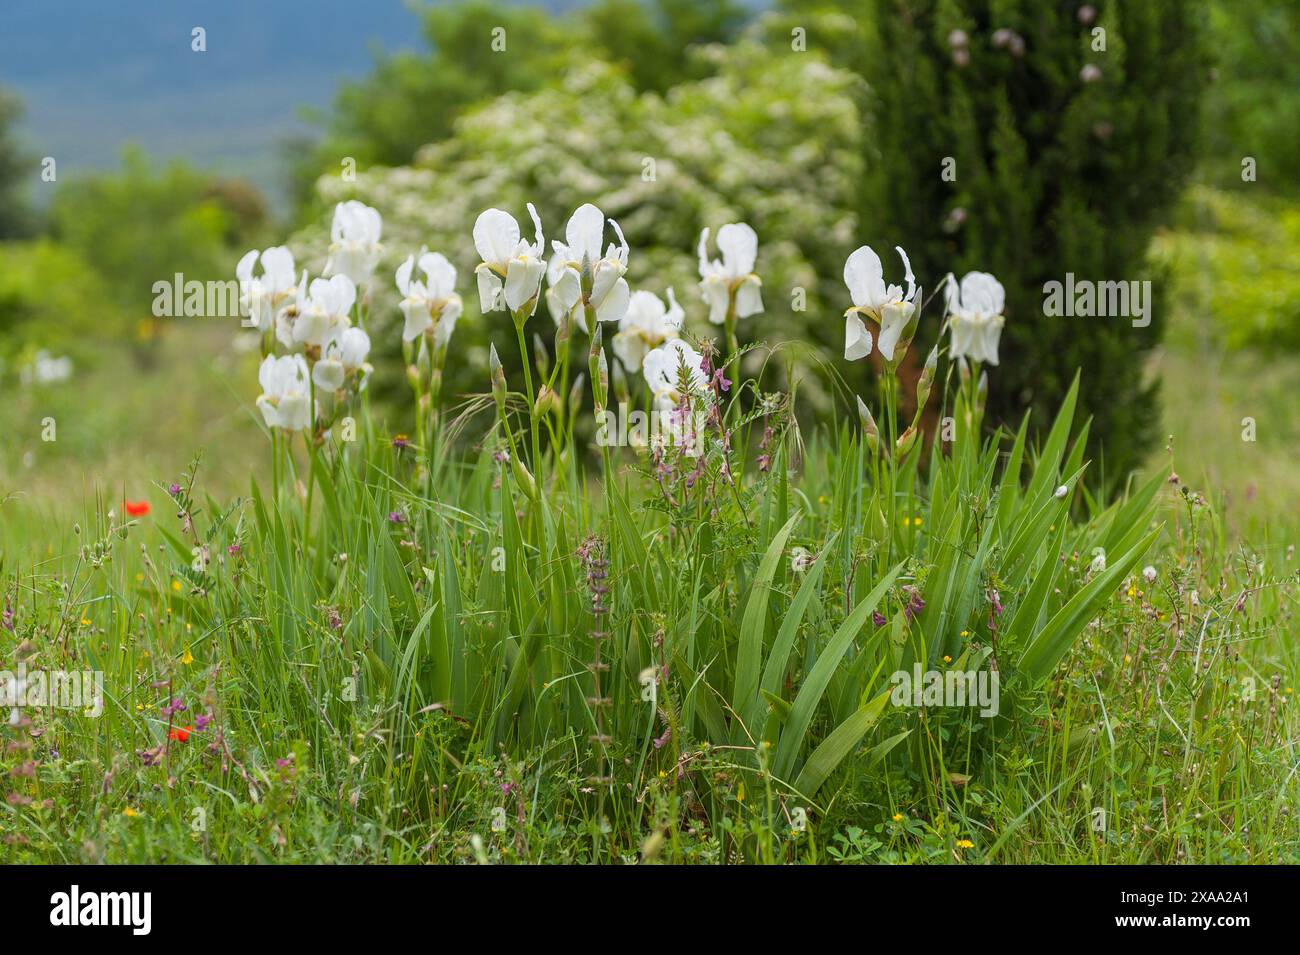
{"points": [[716, 377], [914, 603], [174, 489], [8, 619], [396, 517], [508, 787], [201, 722], [175, 706], [661, 741], [996, 600]]}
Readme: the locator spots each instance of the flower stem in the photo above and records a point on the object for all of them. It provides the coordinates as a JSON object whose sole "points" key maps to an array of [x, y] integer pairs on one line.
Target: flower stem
{"points": [[531, 394]]}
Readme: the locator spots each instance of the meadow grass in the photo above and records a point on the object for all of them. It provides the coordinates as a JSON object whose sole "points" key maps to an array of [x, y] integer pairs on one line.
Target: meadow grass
{"points": [[687, 660], [508, 638]]}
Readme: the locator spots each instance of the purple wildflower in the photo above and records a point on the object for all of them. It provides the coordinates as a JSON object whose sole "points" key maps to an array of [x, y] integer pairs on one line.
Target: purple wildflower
{"points": [[914, 603], [878, 618], [175, 706], [201, 722], [8, 618], [396, 517]]}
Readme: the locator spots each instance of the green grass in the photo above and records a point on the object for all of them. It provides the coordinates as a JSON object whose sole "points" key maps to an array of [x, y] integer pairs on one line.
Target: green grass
{"points": [[580, 656], [421, 690]]}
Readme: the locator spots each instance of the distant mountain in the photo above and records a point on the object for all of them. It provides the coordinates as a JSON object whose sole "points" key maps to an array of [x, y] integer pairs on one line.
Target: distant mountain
{"points": [[95, 75]]}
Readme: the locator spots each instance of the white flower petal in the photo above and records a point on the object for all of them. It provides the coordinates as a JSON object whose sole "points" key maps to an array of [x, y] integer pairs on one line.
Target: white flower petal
{"points": [[584, 232], [328, 374], [857, 340], [496, 236], [749, 299], [523, 277], [738, 244], [490, 296], [614, 305], [717, 296], [865, 278]]}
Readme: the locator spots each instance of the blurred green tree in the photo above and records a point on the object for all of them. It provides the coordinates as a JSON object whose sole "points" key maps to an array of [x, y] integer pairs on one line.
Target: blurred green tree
{"points": [[1255, 97], [412, 99], [143, 225], [15, 214], [51, 299], [653, 38]]}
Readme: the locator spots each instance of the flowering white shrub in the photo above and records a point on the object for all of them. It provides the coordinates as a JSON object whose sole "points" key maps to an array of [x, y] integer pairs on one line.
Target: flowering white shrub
{"points": [[774, 142]]}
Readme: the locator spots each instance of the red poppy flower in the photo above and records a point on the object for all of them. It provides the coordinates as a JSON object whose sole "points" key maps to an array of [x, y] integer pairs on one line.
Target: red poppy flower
{"points": [[137, 508], [181, 733]]}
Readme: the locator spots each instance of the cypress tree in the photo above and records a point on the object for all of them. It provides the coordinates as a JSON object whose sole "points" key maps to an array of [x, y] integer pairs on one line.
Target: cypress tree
{"points": [[1066, 130]]}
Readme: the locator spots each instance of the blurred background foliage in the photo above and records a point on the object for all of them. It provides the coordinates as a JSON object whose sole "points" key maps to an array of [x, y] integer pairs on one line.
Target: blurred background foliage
{"points": [[823, 124]]}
